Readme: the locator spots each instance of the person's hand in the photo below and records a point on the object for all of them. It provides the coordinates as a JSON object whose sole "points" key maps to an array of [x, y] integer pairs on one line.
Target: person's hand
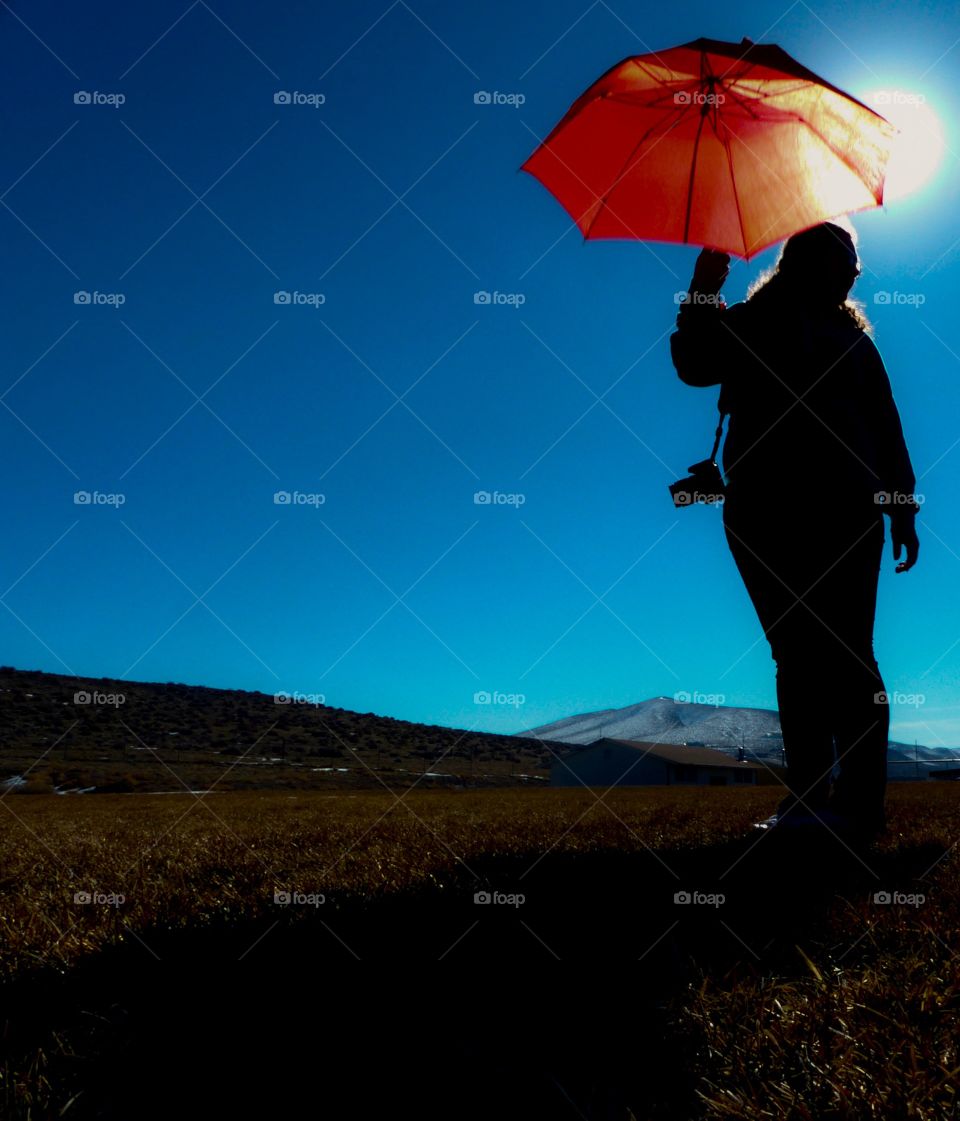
{"points": [[904, 536], [710, 271]]}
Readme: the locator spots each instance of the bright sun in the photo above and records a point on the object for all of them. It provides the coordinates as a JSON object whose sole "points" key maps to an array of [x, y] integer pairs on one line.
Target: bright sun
{"points": [[917, 150]]}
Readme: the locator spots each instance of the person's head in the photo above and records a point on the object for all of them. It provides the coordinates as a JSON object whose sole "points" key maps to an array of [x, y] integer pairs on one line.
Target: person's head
{"points": [[823, 259], [815, 271]]}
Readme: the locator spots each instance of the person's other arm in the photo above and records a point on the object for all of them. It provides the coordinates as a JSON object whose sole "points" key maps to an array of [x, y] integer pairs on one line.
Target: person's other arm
{"points": [[897, 476]]}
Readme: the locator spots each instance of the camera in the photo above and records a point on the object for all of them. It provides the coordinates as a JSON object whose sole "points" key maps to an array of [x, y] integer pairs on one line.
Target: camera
{"points": [[703, 484]]}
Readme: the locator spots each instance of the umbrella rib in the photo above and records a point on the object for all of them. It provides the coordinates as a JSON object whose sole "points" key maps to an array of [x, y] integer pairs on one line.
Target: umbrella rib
{"points": [[658, 100], [744, 104], [839, 154], [800, 119], [788, 115], [760, 97], [649, 75], [748, 64], [764, 95], [693, 168], [736, 196], [623, 170], [740, 75]]}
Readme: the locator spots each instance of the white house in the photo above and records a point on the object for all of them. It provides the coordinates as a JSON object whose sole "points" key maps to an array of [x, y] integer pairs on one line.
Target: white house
{"points": [[612, 762]]}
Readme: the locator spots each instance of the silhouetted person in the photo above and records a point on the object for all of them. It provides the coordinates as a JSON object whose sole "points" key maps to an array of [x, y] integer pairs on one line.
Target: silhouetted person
{"points": [[814, 456]]}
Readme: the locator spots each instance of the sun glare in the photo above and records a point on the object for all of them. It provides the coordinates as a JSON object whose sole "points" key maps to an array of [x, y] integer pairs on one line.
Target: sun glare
{"points": [[918, 149]]}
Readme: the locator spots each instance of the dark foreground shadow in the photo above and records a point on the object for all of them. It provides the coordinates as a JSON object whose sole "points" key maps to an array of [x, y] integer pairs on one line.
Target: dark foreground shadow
{"points": [[559, 1006]]}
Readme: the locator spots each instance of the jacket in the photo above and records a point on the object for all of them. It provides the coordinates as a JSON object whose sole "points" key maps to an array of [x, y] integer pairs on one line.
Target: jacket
{"points": [[812, 414]]}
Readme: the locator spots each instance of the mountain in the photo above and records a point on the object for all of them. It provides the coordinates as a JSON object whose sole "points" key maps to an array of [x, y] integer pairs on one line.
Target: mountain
{"points": [[724, 727], [665, 720]]}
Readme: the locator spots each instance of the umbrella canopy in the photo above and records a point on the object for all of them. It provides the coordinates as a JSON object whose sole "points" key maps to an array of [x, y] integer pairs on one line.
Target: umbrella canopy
{"points": [[734, 146]]}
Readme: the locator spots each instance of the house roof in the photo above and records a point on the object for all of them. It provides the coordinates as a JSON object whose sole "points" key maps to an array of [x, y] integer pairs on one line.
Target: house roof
{"points": [[672, 753]]}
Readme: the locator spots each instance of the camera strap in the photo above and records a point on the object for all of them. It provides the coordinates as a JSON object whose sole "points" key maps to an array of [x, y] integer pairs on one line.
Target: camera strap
{"points": [[716, 442]]}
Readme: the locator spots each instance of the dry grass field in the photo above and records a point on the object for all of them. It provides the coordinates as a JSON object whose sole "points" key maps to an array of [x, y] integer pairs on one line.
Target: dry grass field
{"points": [[729, 975]]}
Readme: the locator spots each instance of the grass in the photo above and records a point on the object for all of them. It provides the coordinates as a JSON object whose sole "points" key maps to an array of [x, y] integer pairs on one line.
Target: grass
{"points": [[180, 861], [799, 996]]}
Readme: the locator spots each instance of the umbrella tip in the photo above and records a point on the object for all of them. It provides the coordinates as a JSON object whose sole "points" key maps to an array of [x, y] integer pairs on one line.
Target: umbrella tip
{"points": [[745, 42]]}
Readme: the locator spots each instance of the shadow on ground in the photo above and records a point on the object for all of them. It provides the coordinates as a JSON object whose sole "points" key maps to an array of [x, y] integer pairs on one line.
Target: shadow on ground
{"points": [[557, 1007]]}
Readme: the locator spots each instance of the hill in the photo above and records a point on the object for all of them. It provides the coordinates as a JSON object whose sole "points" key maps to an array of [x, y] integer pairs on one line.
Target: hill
{"points": [[72, 734]]}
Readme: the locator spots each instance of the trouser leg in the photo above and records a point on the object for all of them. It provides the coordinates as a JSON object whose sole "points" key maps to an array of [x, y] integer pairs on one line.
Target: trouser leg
{"points": [[807, 738], [862, 734], [846, 605], [815, 596], [771, 561]]}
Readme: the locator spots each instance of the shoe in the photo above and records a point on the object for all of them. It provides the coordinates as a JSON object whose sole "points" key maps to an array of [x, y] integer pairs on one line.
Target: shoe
{"points": [[802, 821], [850, 830], [769, 823]]}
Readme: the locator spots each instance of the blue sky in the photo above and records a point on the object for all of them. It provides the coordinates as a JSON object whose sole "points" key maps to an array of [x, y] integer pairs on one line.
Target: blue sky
{"points": [[183, 397]]}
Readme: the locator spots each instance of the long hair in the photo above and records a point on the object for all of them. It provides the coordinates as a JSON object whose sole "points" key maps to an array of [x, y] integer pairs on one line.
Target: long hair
{"points": [[773, 286]]}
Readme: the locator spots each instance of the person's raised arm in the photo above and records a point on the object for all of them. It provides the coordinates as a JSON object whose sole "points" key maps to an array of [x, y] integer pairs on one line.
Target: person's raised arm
{"points": [[698, 345]]}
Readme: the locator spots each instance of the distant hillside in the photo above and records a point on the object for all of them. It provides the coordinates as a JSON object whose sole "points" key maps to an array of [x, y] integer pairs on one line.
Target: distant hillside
{"points": [[757, 730], [70, 733]]}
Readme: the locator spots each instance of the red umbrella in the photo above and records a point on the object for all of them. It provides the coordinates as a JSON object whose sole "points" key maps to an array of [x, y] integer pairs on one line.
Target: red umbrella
{"points": [[734, 146]]}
